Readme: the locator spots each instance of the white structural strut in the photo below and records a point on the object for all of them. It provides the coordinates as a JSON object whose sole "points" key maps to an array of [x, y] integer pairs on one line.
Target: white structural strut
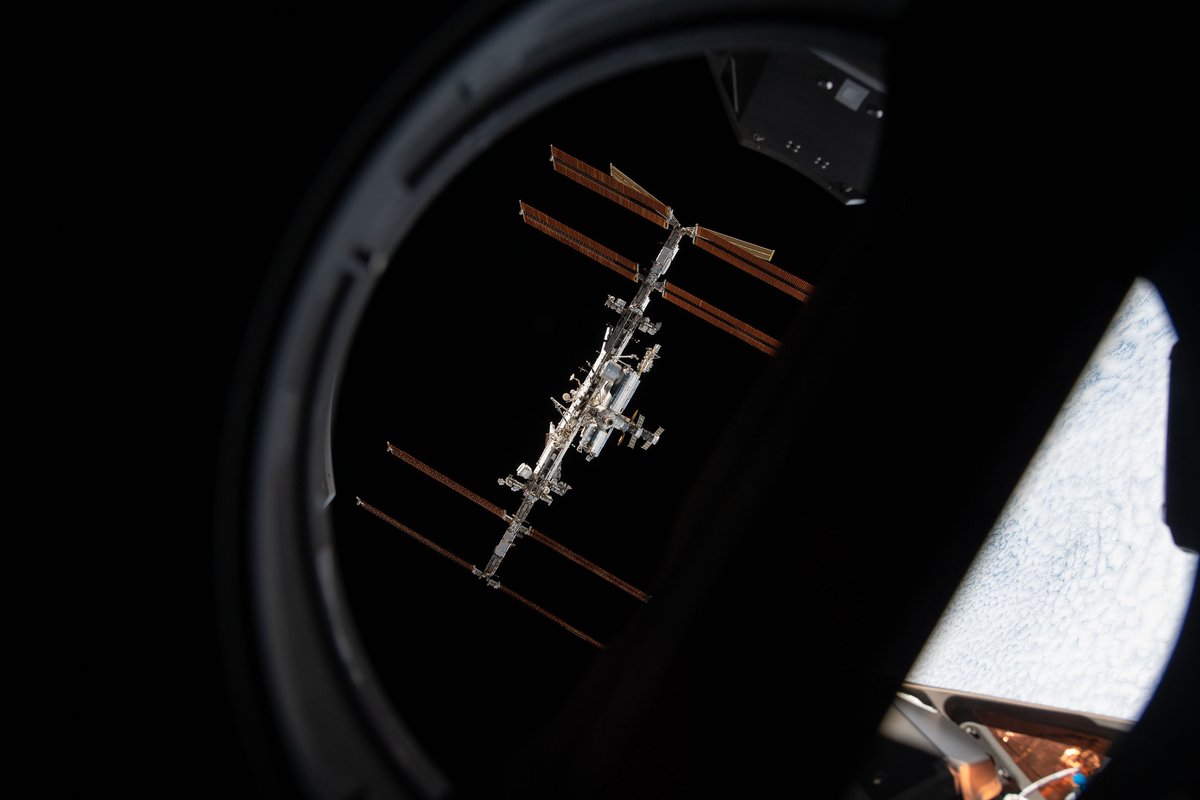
{"points": [[596, 406]]}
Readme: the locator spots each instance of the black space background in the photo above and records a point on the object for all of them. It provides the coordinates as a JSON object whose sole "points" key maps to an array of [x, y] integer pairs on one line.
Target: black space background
{"points": [[254, 117], [480, 322]]}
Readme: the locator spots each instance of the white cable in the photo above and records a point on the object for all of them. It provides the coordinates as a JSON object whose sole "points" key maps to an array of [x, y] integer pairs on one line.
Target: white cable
{"points": [[1040, 782]]}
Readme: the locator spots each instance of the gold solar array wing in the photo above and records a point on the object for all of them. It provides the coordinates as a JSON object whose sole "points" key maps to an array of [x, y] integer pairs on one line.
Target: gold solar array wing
{"points": [[743, 256], [731, 242], [621, 190], [625, 180]]}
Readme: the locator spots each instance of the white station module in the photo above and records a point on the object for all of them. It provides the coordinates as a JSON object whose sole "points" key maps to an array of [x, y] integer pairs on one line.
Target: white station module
{"points": [[598, 403], [596, 406]]}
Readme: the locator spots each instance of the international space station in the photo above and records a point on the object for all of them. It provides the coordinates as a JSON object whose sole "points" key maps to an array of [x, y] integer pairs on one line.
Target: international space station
{"points": [[594, 408]]}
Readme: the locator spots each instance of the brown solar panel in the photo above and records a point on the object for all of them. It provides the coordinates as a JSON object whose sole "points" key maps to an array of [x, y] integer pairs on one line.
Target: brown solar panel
{"points": [[626, 194], [759, 268], [525, 601], [721, 320], [578, 242], [534, 534]]}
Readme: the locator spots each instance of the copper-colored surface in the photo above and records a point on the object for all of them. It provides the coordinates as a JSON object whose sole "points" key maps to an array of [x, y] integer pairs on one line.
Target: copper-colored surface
{"points": [[1038, 757], [596, 570], [622, 200], [757, 268], [470, 568], [417, 464], [578, 242], [566, 626], [721, 320], [534, 534], [741, 244], [400, 526], [587, 171]]}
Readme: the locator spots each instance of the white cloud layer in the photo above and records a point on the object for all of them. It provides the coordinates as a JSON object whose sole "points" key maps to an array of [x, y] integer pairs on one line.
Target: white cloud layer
{"points": [[1076, 597]]}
